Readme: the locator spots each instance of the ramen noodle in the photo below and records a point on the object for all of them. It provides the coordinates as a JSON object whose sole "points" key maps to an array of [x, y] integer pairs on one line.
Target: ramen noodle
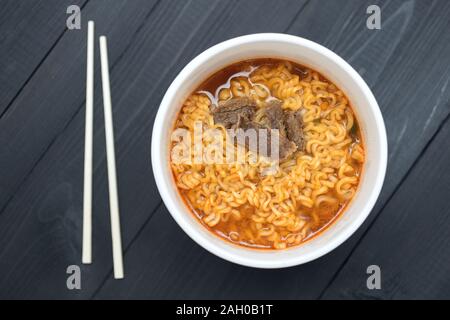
{"points": [[306, 190]]}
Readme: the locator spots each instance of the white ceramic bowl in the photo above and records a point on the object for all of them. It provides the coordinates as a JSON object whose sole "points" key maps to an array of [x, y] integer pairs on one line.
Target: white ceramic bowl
{"points": [[309, 54]]}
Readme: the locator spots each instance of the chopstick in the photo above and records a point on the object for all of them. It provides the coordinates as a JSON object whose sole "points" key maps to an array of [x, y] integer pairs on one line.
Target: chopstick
{"points": [[110, 155], [87, 192], [111, 162]]}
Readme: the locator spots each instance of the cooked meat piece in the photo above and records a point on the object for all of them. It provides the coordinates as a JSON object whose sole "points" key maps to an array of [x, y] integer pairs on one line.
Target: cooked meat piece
{"points": [[238, 113], [274, 115], [294, 127], [285, 146], [235, 112]]}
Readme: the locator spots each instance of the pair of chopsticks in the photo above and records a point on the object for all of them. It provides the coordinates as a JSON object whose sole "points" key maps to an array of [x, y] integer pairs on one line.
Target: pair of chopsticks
{"points": [[110, 156]]}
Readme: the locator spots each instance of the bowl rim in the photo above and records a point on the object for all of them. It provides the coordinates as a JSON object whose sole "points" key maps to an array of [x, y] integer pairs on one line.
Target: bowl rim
{"points": [[164, 185]]}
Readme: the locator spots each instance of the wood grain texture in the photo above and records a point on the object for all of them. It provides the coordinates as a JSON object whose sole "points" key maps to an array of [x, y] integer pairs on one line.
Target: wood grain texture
{"points": [[57, 90], [409, 241], [406, 64], [44, 223], [28, 33]]}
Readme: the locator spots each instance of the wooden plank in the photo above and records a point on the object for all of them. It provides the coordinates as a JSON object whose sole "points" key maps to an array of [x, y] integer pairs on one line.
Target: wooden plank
{"points": [[165, 266], [46, 221], [409, 240], [48, 204], [28, 32], [57, 90]]}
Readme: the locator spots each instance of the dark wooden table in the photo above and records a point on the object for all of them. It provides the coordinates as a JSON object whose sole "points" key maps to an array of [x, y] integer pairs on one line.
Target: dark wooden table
{"points": [[42, 93]]}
